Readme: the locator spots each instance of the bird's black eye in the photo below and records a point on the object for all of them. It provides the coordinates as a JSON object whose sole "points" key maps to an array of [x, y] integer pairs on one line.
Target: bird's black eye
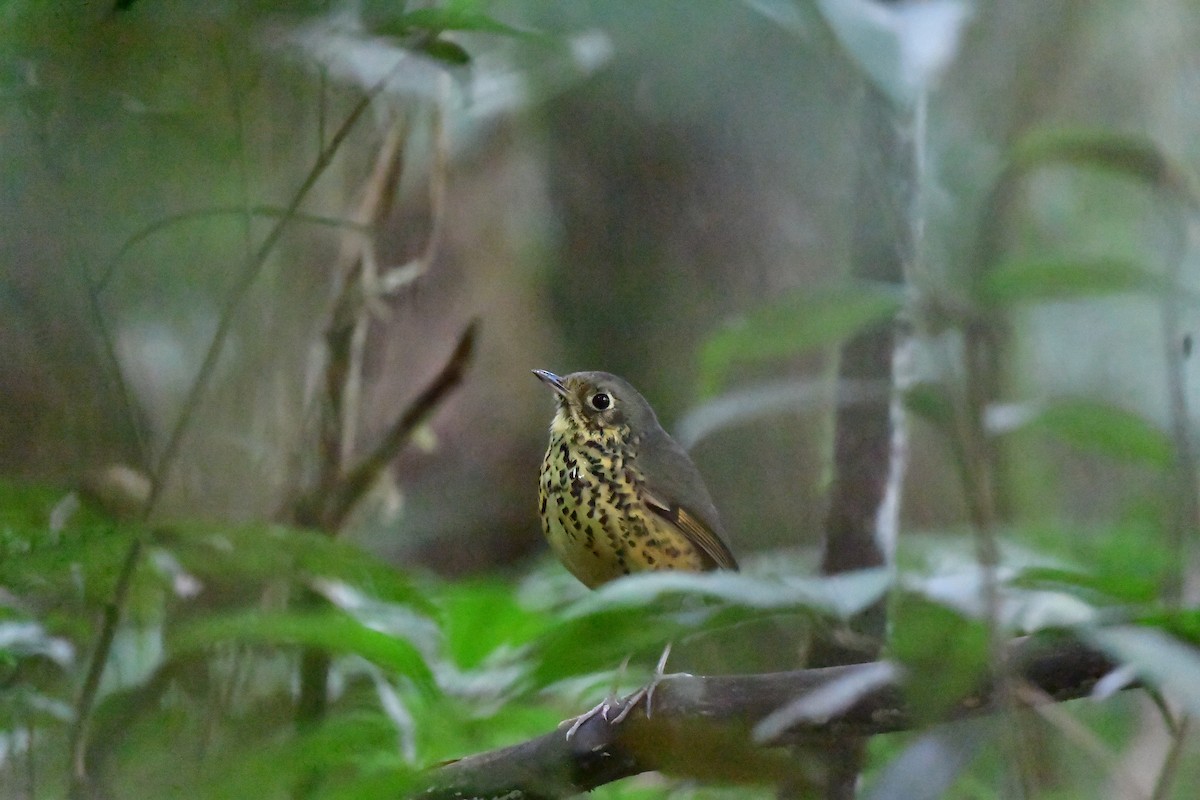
{"points": [[600, 401]]}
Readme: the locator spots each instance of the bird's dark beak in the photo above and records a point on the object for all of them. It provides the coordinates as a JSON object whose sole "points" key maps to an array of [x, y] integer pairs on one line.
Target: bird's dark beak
{"points": [[554, 382]]}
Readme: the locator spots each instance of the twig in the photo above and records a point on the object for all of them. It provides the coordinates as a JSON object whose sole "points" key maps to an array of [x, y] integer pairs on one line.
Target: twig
{"points": [[355, 264], [1083, 737], [31, 784], [365, 277], [1164, 710], [108, 341], [1184, 498], [339, 488], [77, 747], [691, 712], [438, 178], [337, 421], [333, 509], [1170, 767]]}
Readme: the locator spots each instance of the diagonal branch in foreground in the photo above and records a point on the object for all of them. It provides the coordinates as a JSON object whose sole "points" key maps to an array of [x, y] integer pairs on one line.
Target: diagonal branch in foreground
{"points": [[702, 727]]}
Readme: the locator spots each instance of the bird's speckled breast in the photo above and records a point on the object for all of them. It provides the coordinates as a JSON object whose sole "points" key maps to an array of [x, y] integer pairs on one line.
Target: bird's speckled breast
{"points": [[592, 514]]}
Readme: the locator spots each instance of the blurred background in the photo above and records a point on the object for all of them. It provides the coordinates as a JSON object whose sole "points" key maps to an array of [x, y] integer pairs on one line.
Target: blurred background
{"points": [[623, 181], [604, 185]]}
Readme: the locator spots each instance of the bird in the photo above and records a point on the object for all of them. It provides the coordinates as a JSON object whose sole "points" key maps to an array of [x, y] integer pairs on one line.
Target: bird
{"points": [[617, 495]]}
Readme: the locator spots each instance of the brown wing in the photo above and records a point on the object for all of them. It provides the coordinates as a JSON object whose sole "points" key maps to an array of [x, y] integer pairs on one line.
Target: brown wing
{"points": [[708, 543]]}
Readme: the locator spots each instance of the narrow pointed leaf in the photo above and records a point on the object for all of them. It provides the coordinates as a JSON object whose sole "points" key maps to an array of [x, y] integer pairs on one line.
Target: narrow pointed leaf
{"points": [[1158, 658], [794, 324], [1030, 281], [929, 767], [1108, 430], [450, 19], [945, 654], [1134, 157], [330, 631]]}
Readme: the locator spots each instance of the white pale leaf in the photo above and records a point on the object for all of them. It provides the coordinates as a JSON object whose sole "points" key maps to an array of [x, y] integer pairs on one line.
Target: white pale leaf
{"points": [[826, 701], [1158, 658], [903, 47]]}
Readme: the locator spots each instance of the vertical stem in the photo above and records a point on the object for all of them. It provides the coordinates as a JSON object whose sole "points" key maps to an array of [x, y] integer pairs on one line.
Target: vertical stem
{"points": [[865, 485], [868, 443], [1184, 499], [77, 747], [1170, 767], [1184, 502], [30, 762]]}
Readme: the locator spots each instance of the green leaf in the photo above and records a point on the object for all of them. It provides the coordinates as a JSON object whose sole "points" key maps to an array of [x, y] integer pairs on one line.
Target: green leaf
{"points": [[1029, 281], [1108, 430], [840, 596], [326, 630], [446, 51], [945, 652], [338, 759], [1110, 563], [1134, 157], [227, 553], [601, 641], [639, 614], [1092, 587], [794, 324], [483, 616], [63, 560], [1183, 624], [447, 18], [931, 402], [378, 785], [25, 506], [28, 639], [1096, 586]]}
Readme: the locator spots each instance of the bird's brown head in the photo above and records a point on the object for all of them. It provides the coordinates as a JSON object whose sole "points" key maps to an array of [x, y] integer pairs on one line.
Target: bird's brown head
{"points": [[597, 405]]}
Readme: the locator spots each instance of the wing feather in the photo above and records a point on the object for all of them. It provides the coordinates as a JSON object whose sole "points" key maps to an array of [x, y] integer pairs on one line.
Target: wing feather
{"points": [[708, 543]]}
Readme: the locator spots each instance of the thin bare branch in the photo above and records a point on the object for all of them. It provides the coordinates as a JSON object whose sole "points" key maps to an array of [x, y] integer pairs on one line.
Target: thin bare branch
{"points": [[333, 509], [355, 261], [1083, 737], [77, 746], [1183, 492], [1170, 767]]}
